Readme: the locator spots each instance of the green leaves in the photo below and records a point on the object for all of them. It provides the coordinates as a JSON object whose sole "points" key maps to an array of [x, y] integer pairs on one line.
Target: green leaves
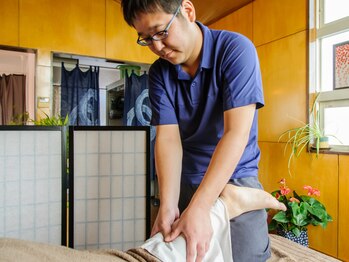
{"points": [[308, 211], [296, 231], [299, 214], [51, 121], [23, 119], [281, 217], [299, 138], [306, 134]]}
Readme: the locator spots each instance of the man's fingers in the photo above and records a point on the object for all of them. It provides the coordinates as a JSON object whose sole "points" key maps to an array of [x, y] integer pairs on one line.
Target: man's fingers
{"points": [[201, 251], [191, 250], [154, 230], [196, 251], [172, 235], [207, 246], [165, 230]]}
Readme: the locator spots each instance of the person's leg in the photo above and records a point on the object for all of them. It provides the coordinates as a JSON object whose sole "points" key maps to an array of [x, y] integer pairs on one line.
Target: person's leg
{"points": [[239, 200], [249, 231], [232, 202]]}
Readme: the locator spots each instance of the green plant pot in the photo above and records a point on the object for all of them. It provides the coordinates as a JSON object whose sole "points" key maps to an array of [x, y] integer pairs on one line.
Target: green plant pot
{"points": [[323, 143]]}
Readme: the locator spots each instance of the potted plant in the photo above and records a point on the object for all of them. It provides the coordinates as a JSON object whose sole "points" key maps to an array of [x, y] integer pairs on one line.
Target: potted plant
{"points": [[308, 134], [302, 211], [51, 121]]}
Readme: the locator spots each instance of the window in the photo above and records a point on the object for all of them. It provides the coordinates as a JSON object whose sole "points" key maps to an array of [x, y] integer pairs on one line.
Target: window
{"points": [[330, 51]]}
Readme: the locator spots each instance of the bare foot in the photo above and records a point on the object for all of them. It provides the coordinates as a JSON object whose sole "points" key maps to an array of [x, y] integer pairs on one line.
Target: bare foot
{"points": [[239, 200]]}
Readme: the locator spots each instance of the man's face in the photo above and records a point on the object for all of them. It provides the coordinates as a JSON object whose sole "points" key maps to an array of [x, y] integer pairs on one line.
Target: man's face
{"points": [[174, 48]]}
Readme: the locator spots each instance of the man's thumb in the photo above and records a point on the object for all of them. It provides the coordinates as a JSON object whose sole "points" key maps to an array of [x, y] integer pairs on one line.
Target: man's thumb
{"points": [[172, 235]]}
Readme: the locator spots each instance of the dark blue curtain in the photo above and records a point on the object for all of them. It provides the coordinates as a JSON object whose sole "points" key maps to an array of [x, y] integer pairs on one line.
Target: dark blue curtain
{"points": [[136, 104], [80, 96], [137, 110]]}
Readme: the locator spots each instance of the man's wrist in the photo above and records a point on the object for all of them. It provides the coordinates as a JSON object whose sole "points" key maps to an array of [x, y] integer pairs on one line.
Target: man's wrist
{"points": [[167, 205], [201, 203]]}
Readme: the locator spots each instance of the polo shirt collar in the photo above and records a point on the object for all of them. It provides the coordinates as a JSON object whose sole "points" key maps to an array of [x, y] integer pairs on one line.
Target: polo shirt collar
{"points": [[207, 54]]}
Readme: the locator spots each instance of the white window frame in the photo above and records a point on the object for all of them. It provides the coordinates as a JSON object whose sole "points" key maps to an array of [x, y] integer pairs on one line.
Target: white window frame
{"points": [[334, 98], [330, 99]]}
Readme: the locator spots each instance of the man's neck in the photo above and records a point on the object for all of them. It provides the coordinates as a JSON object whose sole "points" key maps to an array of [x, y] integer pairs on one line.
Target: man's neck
{"points": [[192, 64]]}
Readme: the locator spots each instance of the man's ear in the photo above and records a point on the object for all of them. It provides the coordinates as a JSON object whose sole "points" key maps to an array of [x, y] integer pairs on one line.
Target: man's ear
{"points": [[188, 10]]}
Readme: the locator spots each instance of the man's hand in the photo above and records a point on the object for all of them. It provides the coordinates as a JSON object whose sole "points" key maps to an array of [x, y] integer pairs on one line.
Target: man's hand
{"points": [[195, 225], [164, 221]]}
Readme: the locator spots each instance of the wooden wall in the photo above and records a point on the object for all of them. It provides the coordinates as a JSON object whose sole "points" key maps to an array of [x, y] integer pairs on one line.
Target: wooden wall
{"points": [[279, 29], [89, 28]]}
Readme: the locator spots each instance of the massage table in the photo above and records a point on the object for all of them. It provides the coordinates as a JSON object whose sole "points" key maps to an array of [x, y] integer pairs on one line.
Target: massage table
{"points": [[283, 250]]}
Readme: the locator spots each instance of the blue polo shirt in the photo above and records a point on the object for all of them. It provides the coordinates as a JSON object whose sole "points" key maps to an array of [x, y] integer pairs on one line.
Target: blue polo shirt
{"points": [[228, 76]]}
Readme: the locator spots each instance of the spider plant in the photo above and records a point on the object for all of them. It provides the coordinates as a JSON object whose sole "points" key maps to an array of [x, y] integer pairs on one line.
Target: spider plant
{"points": [[308, 134], [300, 137]]}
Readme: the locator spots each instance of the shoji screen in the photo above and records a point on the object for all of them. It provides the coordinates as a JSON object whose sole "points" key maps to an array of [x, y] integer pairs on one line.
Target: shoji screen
{"points": [[33, 184], [109, 187]]}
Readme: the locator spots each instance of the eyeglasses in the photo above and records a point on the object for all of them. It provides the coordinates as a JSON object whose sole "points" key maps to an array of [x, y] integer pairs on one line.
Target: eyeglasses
{"points": [[159, 35]]}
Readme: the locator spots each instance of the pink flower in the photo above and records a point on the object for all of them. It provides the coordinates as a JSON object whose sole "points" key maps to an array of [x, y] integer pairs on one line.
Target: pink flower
{"points": [[284, 190], [292, 199], [312, 191]]}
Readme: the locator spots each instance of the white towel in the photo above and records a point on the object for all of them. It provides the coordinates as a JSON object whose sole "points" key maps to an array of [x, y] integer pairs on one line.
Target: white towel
{"points": [[220, 245]]}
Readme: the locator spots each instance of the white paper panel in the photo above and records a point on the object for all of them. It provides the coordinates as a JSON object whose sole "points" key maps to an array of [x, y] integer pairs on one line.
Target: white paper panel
{"points": [[109, 188], [31, 185]]}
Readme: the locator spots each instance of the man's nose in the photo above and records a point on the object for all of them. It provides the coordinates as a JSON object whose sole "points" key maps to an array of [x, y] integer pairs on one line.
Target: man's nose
{"points": [[158, 45]]}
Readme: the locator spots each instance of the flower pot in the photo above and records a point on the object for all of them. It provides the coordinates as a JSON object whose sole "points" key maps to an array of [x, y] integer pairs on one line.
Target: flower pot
{"points": [[323, 143], [302, 239]]}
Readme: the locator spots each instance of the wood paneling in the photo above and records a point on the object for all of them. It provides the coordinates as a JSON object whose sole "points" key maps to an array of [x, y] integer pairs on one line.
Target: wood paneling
{"points": [[9, 22], [274, 19], [76, 27], [320, 173], [121, 38], [343, 222], [208, 11], [79, 27], [284, 74], [239, 21]]}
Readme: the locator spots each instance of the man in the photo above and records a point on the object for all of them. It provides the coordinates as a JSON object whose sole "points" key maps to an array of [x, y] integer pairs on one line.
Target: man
{"points": [[204, 89]]}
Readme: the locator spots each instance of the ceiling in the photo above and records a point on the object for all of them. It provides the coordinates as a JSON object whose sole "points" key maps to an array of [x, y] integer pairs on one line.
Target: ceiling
{"points": [[208, 11]]}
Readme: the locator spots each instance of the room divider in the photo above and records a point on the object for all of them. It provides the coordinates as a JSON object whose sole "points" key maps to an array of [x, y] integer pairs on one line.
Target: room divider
{"points": [[89, 191]]}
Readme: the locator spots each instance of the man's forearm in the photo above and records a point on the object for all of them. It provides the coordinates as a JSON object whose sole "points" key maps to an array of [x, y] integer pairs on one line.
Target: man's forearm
{"points": [[223, 164], [226, 156], [168, 159]]}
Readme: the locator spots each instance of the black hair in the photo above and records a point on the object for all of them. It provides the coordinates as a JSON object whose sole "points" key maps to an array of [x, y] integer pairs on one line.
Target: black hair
{"points": [[131, 8]]}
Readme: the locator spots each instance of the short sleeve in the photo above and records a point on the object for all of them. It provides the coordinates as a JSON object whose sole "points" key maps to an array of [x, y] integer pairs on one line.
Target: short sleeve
{"points": [[241, 74], [162, 102]]}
